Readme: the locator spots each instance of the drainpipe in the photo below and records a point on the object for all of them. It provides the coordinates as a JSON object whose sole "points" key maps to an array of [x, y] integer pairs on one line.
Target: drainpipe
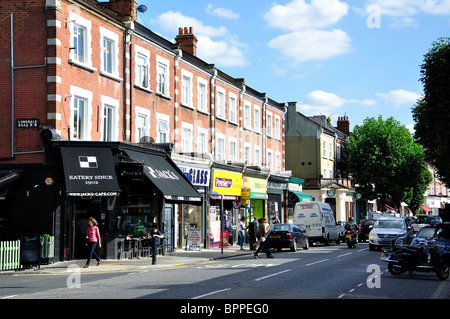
{"points": [[13, 68]]}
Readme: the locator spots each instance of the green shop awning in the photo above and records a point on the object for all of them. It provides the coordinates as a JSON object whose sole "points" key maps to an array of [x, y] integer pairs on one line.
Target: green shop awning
{"points": [[302, 197]]}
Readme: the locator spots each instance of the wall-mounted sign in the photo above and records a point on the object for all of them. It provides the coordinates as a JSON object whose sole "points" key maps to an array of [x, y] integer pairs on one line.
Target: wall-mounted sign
{"points": [[28, 123], [196, 175]]}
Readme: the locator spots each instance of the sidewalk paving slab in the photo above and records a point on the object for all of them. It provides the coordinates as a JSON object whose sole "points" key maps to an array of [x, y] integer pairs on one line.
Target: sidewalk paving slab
{"points": [[177, 258]]}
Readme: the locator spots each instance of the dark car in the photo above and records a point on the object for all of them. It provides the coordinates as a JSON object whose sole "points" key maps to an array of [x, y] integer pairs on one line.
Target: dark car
{"points": [[287, 236], [364, 229], [440, 233]]}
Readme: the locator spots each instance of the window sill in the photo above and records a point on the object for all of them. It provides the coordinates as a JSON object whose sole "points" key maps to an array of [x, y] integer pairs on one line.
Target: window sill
{"points": [[142, 88], [163, 96], [111, 76], [82, 65], [187, 106]]}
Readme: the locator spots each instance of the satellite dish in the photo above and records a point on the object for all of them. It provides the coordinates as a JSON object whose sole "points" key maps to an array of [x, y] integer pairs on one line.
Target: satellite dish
{"points": [[142, 8]]}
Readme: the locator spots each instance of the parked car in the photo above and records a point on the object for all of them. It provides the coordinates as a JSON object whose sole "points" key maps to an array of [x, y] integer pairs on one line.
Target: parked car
{"points": [[287, 236], [440, 233], [386, 230], [364, 229], [341, 230], [425, 220]]}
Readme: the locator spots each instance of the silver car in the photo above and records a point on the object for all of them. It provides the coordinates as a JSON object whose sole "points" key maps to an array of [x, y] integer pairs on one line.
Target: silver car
{"points": [[387, 230]]}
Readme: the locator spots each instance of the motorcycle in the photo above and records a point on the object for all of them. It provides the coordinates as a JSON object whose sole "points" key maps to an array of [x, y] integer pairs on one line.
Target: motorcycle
{"points": [[351, 238], [420, 255]]}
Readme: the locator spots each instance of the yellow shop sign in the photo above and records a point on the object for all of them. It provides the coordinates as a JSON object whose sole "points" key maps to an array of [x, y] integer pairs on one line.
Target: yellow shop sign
{"points": [[227, 183]]}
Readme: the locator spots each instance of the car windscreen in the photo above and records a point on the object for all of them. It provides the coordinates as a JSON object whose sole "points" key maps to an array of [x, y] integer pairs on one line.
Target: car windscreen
{"points": [[388, 223], [435, 219], [426, 233], [280, 228]]}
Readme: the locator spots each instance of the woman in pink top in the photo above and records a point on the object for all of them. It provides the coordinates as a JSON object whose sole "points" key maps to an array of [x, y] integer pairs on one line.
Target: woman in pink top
{"points": [[93, 235]]}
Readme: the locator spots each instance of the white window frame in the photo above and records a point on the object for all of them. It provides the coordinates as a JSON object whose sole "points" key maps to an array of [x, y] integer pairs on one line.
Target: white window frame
{"points": [[257, 118], [78, 21], [202, 139], [232, 150], [247, 115], [160, 61], [186, 88], [109, 102], [187, 140], [269, 122], [277, 128], [257, 155], [277, 161], [220, 141], [107, 35], [248, 153], [145, 113], [202, 94], [86, 96], [160, 129], [324, 149], [142, 70], [330, 150], [232, 108], [221, 103], [270, 159]]}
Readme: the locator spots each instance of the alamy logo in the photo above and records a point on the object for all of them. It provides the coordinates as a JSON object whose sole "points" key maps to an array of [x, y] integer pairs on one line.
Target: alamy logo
{"points": [[88, 161]]}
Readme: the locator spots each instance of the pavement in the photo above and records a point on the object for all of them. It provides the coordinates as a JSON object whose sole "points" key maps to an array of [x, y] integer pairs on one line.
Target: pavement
{"points": [[177, 258]]}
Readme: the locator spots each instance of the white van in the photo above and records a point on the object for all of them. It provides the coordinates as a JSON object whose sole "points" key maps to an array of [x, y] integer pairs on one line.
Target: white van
{"points": [[317, 220]]}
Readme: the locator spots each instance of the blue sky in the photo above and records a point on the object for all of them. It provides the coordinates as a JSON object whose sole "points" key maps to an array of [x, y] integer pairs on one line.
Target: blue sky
{"points": [[359, 58]]}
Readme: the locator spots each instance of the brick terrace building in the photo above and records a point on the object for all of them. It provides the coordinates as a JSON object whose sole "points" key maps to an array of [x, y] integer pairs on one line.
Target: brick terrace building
{"points": [[83, 73]]}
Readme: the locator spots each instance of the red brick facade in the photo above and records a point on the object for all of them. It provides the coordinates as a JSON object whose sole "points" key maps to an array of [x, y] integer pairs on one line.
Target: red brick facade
{"points": [[118, 66]]}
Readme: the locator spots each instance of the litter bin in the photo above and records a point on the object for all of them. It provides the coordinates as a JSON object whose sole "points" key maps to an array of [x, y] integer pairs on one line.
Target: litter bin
{"points": [[47, 248]]}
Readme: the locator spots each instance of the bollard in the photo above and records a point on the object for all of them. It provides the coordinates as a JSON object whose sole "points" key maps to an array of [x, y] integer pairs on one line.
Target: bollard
{"points": [[155, 251]]}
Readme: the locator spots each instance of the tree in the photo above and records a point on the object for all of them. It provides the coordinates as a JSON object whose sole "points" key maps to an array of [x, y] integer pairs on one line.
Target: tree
{"points": [[386, 162], [431, 113]]}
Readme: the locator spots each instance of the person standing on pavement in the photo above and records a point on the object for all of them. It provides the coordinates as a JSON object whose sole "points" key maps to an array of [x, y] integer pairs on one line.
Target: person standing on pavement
{"points": [[265, 230], [242, 229], [93, 236]]}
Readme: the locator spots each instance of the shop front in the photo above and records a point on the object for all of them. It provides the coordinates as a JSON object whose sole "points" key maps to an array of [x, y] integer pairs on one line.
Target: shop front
{"points": [[277, 195], [295, 194], [154, 191], [192, 220], [225, 192]]}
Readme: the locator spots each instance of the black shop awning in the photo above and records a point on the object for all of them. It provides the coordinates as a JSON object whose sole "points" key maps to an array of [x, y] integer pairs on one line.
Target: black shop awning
{"points": [[166, 176], [89, 171]]}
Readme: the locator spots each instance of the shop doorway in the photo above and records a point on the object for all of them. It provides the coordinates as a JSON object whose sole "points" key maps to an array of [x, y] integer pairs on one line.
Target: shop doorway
{"points": [[83, 210]]}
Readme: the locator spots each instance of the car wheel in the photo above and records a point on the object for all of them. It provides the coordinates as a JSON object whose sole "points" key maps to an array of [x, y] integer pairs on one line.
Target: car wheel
{"points": [[442, 271], [306, 244], [294, 245], [372, 247]]}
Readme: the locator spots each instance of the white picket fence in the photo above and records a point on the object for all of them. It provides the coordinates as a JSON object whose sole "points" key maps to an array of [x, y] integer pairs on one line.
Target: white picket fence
{"points": [[10, 255]]}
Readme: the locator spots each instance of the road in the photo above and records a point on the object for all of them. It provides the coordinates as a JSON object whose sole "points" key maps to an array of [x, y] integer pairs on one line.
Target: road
{"points": [[322, 272]]}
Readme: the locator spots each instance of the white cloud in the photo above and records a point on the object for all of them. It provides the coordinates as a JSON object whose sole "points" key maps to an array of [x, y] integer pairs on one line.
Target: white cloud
{"points": [[306, 23], [222, 12], [321, 102], [310, 45], [214, 45], [401, 13], [299, 15], [400, 97]]}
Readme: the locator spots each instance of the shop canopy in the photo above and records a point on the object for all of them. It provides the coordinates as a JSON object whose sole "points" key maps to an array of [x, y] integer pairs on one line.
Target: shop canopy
{"points": [[89, 171], [8, 177], [166, 176], [302, 197], [425, 208]]}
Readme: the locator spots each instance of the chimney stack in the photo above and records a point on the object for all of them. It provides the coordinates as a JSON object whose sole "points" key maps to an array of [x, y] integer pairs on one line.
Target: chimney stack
{"points": [[126, 8], [187, 40], [343, 125]]}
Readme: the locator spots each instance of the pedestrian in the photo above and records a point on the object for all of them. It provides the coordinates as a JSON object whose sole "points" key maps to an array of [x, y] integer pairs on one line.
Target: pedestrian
{"points": [[242, 229], [156, 235], [265, 230], [93, 237]]}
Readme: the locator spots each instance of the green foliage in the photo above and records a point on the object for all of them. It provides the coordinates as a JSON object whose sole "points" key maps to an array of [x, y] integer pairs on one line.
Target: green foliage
{"points": [[431, 113], [386, 162]]}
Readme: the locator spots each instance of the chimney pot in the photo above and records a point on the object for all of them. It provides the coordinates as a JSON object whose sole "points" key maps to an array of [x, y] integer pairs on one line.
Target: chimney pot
{"points": [[187, 41]]}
